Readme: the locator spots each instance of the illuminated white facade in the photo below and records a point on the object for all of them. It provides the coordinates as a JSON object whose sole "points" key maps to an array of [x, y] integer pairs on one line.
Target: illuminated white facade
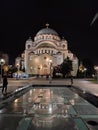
{"points": [[47, 46]]}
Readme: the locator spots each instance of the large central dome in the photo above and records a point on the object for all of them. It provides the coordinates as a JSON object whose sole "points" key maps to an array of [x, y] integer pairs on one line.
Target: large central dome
{"points": [[47, 31]]}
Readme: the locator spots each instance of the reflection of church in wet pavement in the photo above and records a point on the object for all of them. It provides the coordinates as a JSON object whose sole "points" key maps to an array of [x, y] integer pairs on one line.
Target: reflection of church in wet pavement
{"points": [[47, 48]]}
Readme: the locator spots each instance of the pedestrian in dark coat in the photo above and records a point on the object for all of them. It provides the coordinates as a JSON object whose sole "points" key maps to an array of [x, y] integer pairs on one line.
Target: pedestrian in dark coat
{"points": [[5, 83], [71, 80]]}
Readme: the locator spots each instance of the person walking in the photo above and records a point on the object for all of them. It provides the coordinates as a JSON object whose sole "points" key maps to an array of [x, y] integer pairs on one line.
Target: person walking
{"points": [[5, 83], [71, 80]]}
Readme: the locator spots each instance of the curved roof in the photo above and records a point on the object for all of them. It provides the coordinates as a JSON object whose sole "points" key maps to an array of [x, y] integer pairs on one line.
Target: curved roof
{"points": [[47, 31], [28, 40]]}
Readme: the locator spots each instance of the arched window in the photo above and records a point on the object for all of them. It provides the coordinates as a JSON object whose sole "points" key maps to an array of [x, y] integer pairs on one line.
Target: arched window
{"points": [[28, 46]]}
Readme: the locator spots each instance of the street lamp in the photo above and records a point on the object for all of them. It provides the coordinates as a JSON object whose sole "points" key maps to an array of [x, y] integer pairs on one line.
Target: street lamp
{"points": [[85, 69], [50, 78], [2, 62], [96, 68]]}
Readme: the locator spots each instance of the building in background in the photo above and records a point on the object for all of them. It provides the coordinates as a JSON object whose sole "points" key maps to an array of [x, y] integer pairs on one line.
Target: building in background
{"points": [[47, 48], [5, 57], [4, 61]]}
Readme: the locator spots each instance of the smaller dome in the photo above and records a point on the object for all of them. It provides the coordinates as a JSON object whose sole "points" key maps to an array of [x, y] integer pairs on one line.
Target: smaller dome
{"points": [[47, 31], [28, 40]]}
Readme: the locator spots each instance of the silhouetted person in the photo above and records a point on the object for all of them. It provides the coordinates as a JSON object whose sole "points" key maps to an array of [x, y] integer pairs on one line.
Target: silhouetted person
{"points": [[5, 83], [71, 80]]}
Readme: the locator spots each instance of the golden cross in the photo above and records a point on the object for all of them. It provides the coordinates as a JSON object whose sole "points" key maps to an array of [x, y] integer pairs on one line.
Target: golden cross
{"points": [[47, 25]]}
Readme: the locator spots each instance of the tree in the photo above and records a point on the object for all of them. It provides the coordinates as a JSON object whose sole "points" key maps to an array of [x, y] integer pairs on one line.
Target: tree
{"points": [[90, 67], [66, 67]]}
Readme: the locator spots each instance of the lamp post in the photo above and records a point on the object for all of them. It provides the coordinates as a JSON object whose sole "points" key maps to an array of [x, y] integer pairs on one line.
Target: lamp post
{"points": [[96, 68], [85, 69], [2, 62], [50, 78]]}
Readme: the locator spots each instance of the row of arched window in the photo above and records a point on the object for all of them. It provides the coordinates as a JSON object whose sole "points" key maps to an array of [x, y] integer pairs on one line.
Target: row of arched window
{"points": [[42, 51], [46, 37]]}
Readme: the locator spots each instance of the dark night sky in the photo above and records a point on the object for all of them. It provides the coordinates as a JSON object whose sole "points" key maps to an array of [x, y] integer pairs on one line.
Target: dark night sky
{"points": [[20, 19]]}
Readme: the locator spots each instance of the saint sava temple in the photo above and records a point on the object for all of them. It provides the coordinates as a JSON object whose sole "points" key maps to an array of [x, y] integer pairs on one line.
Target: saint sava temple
{"points": [[45, 50]]}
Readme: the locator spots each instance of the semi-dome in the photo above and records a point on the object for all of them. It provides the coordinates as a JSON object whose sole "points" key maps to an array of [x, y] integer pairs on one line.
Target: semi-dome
{"points": [[47, 31], [29, 39]]}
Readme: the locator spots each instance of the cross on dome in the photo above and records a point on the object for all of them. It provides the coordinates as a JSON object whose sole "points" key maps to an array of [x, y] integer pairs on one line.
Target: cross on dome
{"points": [[47, 25]]}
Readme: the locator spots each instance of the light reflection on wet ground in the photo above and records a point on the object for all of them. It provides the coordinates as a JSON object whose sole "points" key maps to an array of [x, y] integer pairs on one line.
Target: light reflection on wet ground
{"points": [[48, 108]]}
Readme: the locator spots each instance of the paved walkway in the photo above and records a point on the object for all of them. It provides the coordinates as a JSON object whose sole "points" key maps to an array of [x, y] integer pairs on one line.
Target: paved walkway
{"points": [[86, 85], [83, 84], [13, 87]]}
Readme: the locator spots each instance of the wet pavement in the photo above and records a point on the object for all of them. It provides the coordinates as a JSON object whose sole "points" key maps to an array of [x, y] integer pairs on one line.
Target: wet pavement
{"points": [[48, 108], [93, 99]]}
